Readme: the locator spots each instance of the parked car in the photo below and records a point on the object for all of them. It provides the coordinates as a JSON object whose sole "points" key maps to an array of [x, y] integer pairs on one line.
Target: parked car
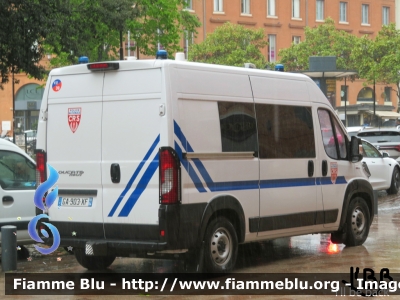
{"points": [[383, 139], [385, 171], [17, 188], [354, 130]]}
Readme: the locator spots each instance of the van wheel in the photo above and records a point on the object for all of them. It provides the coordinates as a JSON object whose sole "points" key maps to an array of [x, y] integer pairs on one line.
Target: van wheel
{"points": [[221, 246], [357, 222], [93, 262], [394, 187]]}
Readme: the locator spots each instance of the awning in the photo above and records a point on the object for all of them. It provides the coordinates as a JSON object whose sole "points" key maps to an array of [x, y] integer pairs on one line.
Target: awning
{"points": [[335, 73], [386, 114]]}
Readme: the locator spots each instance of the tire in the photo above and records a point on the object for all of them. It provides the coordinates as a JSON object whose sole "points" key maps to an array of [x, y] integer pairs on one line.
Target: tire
{"points": [[357, 222], [395, 184], [220, 246], [93, 262]]}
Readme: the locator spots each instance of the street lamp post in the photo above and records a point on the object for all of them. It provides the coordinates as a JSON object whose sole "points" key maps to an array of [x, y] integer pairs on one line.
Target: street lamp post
{"points": [[121, 50], [13, 100]]}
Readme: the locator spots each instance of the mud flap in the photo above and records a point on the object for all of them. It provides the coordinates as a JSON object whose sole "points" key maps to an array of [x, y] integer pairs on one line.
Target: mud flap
{"points": [[194, 262]]}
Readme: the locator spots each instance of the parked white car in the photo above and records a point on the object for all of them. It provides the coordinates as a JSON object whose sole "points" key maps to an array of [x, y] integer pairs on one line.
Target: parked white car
{"points": [[385, 171], [17, 188]]}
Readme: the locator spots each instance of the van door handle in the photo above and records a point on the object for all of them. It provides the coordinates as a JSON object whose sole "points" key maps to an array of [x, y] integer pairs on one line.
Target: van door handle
{"points": [[324, 168], [8, 199], [310, 168], [115, 173]]}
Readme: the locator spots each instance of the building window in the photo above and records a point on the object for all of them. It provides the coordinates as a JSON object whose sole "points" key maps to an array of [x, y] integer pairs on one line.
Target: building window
{"points": [[343, 12], [272, 47], [385, 15], [296, 9], [388, 90], [320, 10], [218, 5], [364, 14], [296, 40], [271, 7], [343, 92], [246, 7], [189, 4]]}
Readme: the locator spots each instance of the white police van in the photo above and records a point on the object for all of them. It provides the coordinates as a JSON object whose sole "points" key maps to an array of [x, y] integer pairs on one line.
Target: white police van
{"points": [[160, 157]]}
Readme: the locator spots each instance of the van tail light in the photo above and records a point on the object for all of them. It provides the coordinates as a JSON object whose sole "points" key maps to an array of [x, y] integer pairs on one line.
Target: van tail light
{"points": [[170, 176], [41, 170]]}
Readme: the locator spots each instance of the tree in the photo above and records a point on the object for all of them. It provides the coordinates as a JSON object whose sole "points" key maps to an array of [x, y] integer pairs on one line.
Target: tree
{"points": [[71, 28], [93, 28], [324, 40], [231, 45], [379, 60], [25, 24]]}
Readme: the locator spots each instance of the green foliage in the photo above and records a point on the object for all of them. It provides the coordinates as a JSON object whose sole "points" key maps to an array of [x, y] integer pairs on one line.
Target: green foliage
{"points": [[68, 29], [92, 28], [231, 45], [379, 60], [163, 22], [24, 26], [324, 40]]}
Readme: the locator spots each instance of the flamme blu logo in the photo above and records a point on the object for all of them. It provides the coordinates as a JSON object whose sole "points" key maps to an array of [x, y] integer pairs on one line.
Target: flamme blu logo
{"points": [[38, 200]]}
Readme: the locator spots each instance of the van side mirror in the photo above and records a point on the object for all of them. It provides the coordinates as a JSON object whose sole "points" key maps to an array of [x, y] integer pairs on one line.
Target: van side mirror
{"points": [[355, 155], [385, 154]]}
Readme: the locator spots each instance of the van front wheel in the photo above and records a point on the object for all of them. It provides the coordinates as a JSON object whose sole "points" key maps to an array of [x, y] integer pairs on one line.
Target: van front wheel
{"points": [[358, 222], [221, 246], [93, 262]]}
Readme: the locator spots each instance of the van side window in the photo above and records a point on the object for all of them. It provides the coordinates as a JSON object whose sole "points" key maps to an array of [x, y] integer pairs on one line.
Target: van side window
{"points": [[238, 127], [333, 137], [285, 131], [16, 172]]}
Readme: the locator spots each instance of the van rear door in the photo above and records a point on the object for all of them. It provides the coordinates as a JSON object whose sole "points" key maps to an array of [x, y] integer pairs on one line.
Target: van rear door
{"points": [[132, 123], [74, 150]]}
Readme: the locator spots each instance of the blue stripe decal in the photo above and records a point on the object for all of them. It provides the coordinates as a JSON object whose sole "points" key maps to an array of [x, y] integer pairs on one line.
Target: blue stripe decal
{"points": [[282, 183], [204, 173], [182, 138], [327, 180], [233, 185], [141, 186], [130, 182], [240, 185], [188, 167]]}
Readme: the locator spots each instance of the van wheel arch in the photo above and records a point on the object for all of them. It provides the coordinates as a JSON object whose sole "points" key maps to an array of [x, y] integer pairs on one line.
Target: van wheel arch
{"points": [[224, 206], [357, 188]]}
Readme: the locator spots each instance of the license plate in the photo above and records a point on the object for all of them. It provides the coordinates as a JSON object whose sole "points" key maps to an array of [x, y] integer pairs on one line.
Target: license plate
{"points": [[75, 201]]}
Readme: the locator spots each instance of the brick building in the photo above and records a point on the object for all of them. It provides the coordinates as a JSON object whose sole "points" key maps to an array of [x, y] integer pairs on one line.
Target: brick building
{"points": [[283, 22]]}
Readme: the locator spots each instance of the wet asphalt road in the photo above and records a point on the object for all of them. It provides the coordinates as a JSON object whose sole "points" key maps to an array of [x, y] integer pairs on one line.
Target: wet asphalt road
{"points": [[307, 254]]}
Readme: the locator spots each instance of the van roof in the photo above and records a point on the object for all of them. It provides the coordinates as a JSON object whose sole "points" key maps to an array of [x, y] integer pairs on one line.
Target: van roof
{"points": [[157, 63]]}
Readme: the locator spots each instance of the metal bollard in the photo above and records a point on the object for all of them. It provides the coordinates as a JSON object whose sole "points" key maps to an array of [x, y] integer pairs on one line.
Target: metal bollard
{"points": [[8, 248], [375, 202]]}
